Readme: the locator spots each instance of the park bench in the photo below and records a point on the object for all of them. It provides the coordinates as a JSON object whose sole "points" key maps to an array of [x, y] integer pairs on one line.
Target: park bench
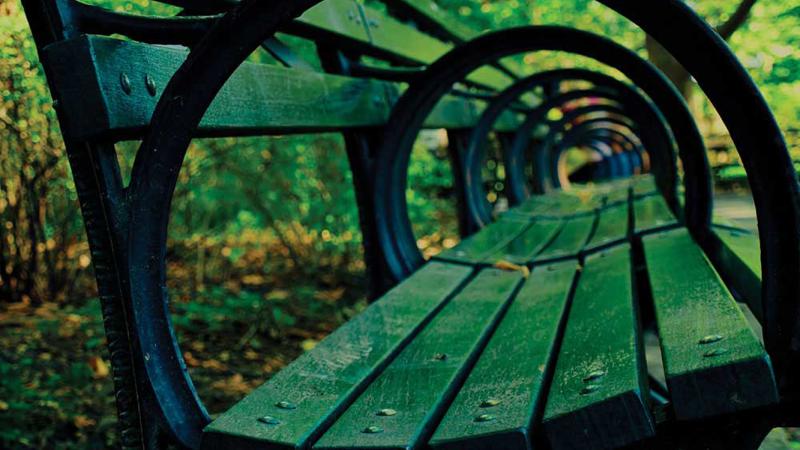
{"points": [[595, 315]]}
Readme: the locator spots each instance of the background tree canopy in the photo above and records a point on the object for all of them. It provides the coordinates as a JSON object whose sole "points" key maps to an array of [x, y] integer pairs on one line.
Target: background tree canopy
{"points": [[264, 231]]}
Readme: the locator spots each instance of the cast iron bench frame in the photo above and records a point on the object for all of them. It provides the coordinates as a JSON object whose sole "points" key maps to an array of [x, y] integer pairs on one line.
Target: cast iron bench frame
{"points": [[127, 225]]}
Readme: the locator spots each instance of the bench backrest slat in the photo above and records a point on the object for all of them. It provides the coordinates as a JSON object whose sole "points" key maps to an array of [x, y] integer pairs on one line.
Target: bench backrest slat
{"points": [[88, 73]]}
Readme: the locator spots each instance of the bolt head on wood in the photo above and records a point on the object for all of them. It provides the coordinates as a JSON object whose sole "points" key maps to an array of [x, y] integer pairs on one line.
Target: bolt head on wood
{"points": [[590, 389], [387, 412], [485, 418], [594, 375], [150, 84], [710, 339], [372, 430], [715, 352], [269, 420], [490, 403], [125, 83], [285, 405]]}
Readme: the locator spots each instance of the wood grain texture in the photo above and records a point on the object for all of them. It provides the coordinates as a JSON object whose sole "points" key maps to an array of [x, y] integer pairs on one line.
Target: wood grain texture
{"points": [[507, 381], [338, 17], [570, 240], [598, 396], [481, 246], [419, 383], [713, 361], [257, 99], [524, 248], [739, 258], [651, 212], [322, 382], [459, 30], [554, 206], [612, 226]]}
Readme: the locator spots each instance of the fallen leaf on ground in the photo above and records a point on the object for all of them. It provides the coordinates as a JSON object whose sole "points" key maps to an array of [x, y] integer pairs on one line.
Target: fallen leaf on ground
{"points": [[98, 366], [84, 422]]}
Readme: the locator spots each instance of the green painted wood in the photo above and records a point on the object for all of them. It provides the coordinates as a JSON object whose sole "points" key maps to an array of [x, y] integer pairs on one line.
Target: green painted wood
{"points": [[739, 259], [713, 360], [612, 226], [487, 242], [507, 382], [617, 191], [570, 240], [597, 399], [436, 15], [321, 383], [524, 248], [405, 43], [644, 185], [419, 384], [340, 18], [652, 212], [448, 24], [558, 204], [535, 206], [258, 99]]}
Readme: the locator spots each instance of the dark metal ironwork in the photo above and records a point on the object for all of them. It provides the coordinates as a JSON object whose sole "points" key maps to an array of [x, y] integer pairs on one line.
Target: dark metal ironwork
{"points": [[396, 235], [127, 228], [657, 136]]}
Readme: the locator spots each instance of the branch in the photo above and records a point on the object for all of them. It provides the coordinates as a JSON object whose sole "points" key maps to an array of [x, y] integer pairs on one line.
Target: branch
{"points": [[736, 20]]}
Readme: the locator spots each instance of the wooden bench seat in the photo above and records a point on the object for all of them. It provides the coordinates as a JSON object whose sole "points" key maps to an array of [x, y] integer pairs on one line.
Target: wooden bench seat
{"points": [[465, 355]]}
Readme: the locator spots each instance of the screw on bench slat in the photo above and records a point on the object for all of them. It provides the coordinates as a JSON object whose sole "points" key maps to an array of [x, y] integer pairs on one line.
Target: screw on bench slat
{"points": [[490, 403], [372, 430], [485, 418], [594, 375], [715, 352], [269, 420], [150, 84], [125, 83], [710, 339], [286, 405], [386, 412], [589, 389]]}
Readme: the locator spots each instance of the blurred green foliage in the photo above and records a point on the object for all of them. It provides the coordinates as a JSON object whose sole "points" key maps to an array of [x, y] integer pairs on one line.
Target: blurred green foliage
{"points": [[265, 254]]}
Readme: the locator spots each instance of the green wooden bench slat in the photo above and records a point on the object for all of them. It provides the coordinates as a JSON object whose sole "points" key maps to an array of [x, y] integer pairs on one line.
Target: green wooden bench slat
{"points": [[713, 360], [570, 240], [322, 382], [339, 17], [497, 404], [456, 29], [740, 259], [598, 395], [644, 185], [524, 248], [612, 226], [557, 204], [391, 36], [435, 14], [536, 205], [418, 384], [486, 242], [652, 212], [257, 99], [384, 35], [620, 194], [616, 191]]}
